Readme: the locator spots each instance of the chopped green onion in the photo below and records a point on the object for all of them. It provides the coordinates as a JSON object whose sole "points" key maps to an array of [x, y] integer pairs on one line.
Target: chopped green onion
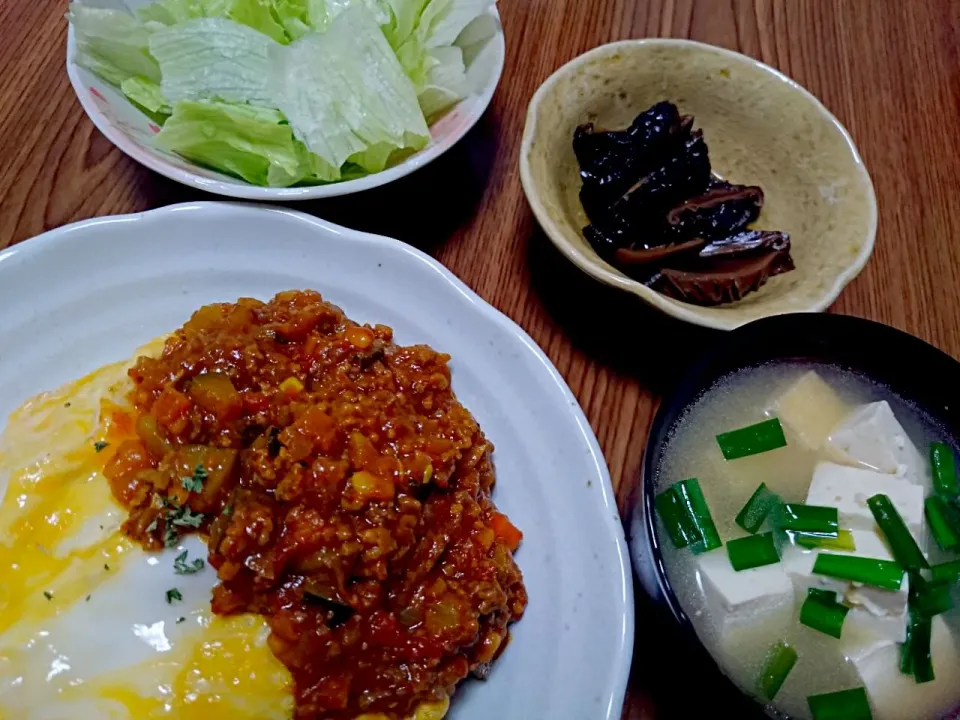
{"points": [[763, 500], [915, 652], [843, 541], [885, 574], [904, 547], [843, 705], [807, 518], [944, 468], [822, 612], [948, 571], [692, 496], [687, 517], [780, 662], [752, 551], [929, 598], [680, 526], [751, 440], [944, 521]]}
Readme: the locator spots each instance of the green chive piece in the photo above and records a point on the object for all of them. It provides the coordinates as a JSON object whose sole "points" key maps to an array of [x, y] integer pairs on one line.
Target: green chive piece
{"points": [[780, 661], [944, 519], [929, 598], [680, 526], [822, 612], [808, 518], [692, 497], [763, 500], [904, 547], [687, 518], [843, 705], [752, 551], [915, 656], [843, 541], [947, 572], [752, 440], [885, 574], [944, 467]]}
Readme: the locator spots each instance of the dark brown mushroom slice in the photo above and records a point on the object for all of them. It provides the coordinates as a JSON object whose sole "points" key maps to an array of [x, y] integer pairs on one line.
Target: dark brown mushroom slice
{"points": [[657, 255], [612, 161], [724, 280], [750, 241], [606, 240], [683, 175], [721, 211]]}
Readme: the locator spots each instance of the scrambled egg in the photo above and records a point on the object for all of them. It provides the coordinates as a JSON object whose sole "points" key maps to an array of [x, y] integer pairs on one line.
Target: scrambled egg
{"points": [[92, 626]]}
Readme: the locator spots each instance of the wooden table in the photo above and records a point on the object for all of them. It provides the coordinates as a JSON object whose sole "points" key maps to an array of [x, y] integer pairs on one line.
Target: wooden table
{"points": [[890, 70]]}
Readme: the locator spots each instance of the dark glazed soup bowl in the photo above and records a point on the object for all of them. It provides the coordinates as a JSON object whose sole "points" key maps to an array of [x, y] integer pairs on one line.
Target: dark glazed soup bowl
{"points": [[688, 678]]}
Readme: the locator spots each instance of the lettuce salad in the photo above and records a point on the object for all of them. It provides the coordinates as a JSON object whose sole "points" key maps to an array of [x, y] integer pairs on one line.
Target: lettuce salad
{"points": [[281, 92]]}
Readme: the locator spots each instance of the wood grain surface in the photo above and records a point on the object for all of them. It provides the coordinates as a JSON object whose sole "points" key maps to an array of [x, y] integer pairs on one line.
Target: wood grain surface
{"points": [[889, 70]]}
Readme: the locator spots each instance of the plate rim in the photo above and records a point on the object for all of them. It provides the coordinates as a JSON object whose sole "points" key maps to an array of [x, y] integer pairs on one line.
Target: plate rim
{"points": [[47, 242], [246, 191]]}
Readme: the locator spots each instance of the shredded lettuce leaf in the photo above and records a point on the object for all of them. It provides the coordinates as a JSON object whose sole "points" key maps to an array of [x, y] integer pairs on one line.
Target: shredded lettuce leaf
{"points": [[214, 58], [147, 95], [112, 44], [253, 143], [260, 15], [345, 93], [279, 92], [423, 34]]}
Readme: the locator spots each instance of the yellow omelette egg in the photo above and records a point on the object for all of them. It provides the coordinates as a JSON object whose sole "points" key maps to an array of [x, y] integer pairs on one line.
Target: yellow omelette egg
{"points": [[91, 625]]}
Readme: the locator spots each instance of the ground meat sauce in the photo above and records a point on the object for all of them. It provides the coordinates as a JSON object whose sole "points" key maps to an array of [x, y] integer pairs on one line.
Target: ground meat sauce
{"points": [[345, 493]]}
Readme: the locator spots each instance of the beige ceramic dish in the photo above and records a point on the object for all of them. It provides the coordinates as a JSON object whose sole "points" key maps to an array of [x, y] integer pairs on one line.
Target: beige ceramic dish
{"points": [[762, 129]]}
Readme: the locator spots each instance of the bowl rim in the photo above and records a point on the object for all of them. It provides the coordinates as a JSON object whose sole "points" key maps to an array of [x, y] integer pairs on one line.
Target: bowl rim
{"points": [[246, 191], [599, 270], [844, 335]]}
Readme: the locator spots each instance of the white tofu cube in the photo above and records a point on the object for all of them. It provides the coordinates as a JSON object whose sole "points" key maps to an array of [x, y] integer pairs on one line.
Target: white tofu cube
{"points": [[871, 437], [895, 696], [810, 409], [849, 488], [888, 607], [887, 627], [740, 597]]}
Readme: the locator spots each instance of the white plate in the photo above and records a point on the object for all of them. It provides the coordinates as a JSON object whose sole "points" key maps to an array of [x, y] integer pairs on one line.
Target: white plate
{"points": [[132, 131], [87, 294]]}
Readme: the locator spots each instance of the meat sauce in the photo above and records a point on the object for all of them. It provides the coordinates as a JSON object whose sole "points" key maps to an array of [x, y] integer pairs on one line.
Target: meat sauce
{"points": [[344, 492]]}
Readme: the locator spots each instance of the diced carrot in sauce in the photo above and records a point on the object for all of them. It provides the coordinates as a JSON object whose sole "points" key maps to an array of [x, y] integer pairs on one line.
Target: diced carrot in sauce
{"points": [[130, 459], [506, 531], [171, 409], [371, 487], [359, 337], [314, 429]]}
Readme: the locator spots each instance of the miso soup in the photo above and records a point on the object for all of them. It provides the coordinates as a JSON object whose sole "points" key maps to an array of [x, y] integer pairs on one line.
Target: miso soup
{"points": [[824, 596]]}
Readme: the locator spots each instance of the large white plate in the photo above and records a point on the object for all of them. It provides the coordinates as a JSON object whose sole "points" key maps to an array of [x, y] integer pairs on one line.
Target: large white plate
{"points": [[87, 294], [132, 131]]}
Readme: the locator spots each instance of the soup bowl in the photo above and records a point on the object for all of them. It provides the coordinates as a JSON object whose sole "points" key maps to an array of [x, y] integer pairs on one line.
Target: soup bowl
{"points": [[917, 372]]}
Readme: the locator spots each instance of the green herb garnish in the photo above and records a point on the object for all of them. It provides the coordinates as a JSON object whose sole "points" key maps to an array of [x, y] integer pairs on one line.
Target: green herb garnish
{"points": [[100, 445], [182, 567], [173, 595], [195, 483]]}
